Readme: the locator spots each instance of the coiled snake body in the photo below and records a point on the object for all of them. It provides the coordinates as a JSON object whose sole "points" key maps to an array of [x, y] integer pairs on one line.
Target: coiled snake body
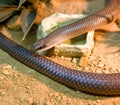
{"points": [[100, 84]]}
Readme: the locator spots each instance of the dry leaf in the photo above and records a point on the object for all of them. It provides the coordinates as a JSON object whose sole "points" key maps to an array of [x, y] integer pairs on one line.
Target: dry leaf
{"points": [[8, 3], [20, 3], [6, 13], [27, 20]]}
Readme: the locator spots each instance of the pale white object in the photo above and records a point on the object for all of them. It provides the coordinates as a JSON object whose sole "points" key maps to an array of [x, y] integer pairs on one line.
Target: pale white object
{"points": [[68, 48]]}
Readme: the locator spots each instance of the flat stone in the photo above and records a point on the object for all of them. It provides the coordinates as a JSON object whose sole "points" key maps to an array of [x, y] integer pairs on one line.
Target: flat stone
{"points": [[70, 48]]}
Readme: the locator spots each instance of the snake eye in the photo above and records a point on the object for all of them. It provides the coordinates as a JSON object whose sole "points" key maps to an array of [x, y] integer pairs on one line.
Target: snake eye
{"points": [[41, 47]]}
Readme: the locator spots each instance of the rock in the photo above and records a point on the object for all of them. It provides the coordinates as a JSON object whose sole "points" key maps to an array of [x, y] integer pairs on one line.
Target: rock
{"points": [[6, 67], [84, 61], [2, 93], [74, 61], [5, 72], [70, 48], [101, 65], [1, 78]]}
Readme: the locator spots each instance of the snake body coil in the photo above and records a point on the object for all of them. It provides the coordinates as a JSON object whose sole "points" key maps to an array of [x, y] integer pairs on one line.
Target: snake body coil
{"points": [[100, 84]]}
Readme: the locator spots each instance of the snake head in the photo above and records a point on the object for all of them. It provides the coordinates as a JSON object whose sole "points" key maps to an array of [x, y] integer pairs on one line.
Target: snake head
{"points": [[42, 45], [39, 45]]}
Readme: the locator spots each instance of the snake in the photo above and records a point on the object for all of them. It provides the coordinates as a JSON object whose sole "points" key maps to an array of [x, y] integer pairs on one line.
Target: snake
{"points": [[92, 22], [88, 82]]}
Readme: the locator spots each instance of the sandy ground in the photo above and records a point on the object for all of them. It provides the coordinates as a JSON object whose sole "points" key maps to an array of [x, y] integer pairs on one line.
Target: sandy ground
{"points": [[20, 85]]}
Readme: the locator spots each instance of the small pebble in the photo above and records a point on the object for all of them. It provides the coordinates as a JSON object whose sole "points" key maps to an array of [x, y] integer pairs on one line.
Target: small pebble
{"points": [[106, 71], [43, 5], [2, 93], [6, 67], [101, 65], [84, 61], [74, 60], [5, 72], [62, 57], [33, 103], [1, 77], [98, 71]]}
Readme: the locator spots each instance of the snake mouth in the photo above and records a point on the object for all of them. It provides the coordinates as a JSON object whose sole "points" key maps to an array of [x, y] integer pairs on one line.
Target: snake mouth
{"points": [[38, 47], [41, 45]]}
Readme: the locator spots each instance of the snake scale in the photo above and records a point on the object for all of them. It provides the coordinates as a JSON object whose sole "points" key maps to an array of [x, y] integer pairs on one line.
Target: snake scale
{"points": [[93, 83]]}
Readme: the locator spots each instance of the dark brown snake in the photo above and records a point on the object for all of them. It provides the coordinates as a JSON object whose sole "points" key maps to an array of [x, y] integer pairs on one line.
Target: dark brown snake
{"points": [[100, 84]]}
